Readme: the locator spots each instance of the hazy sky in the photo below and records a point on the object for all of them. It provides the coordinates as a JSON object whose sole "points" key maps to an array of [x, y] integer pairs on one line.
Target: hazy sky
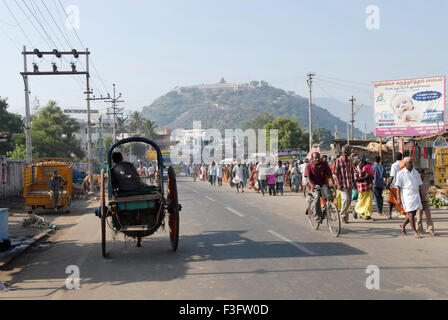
{"points": [[149, 47]]}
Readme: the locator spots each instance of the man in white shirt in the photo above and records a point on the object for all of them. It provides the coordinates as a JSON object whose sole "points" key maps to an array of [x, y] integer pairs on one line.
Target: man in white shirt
{"points": [[393, 197], [238, 177], [302, 168], [407, 182], [279, 177], [262, 173], [219, 173], [212, 174]]}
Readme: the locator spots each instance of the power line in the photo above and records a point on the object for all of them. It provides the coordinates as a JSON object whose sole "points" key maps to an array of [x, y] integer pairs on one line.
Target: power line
{"points": [[343, 80], [37, 12], [57, 26], [59, 43], [18, 24], [32, 13], [82, 44]]}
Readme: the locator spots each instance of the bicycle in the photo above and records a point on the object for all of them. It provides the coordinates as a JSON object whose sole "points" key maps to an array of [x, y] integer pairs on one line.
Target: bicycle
{"points": [[329, 212]]}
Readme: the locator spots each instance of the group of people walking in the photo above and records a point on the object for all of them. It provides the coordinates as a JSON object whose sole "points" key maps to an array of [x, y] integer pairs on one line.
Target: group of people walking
{"points": [[408, 190], [351, 178], [263, 177]]}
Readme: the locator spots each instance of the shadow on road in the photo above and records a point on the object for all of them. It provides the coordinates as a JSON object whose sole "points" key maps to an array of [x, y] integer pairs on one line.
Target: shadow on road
{"points": [[154, 261]]}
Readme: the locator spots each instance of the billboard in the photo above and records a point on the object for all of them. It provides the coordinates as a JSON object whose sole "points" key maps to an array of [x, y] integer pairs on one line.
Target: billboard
{"points": [[409, 107]]}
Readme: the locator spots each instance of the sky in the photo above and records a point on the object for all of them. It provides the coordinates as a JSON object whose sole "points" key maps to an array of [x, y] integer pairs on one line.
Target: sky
{"points": [[148, 47]]}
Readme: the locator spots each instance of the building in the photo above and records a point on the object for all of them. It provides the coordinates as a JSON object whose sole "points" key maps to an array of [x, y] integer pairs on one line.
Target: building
{"points": [[81, 134], [235, 86]]}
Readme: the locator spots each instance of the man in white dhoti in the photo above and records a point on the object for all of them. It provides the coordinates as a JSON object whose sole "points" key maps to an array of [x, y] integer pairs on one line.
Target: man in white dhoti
{"points": [[238, 177], [407, 183]]}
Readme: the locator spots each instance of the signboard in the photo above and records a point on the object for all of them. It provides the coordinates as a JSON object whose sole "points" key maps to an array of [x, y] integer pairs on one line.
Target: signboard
{"points": [[80, 111], [440, 143], [152, 155], [285, 154], [409, 107]]}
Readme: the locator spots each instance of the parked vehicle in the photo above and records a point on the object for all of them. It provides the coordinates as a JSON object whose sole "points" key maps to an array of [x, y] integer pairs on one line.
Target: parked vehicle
{"points": [[35, 187]]}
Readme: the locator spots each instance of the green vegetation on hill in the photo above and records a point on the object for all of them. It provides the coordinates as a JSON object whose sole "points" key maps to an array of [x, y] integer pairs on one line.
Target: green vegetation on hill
{"points": [[226, 108]]}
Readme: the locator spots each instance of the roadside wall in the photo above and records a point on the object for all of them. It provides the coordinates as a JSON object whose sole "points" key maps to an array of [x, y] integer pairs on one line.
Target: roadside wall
{"points": [[14, 180]]}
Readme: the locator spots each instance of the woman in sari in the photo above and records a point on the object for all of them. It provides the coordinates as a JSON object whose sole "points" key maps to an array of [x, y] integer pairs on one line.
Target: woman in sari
{"points": [[364, 181]]}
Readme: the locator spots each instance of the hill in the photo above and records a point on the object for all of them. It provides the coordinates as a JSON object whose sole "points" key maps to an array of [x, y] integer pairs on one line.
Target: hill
{"points": [[229, 108]]}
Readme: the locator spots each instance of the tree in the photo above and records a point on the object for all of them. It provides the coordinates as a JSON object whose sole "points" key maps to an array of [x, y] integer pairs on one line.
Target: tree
{"points": [[258, 122], [148, 129], [53, 133], [290, 134], [107, 141], [10, 123], [322, 135], [19, 152], [136, 121]]}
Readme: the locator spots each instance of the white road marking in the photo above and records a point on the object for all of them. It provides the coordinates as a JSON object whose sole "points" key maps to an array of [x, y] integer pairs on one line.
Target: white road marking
{"points": [[211, 199], [190, 189], [235, 212], [298, 246]]}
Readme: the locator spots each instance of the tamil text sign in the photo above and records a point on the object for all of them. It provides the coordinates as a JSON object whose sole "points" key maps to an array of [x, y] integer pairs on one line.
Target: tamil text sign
{"points": [[409, 107]]}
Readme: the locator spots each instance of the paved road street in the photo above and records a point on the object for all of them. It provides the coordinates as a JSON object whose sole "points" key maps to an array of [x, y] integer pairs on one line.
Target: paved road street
{"points": [[236, 246]]}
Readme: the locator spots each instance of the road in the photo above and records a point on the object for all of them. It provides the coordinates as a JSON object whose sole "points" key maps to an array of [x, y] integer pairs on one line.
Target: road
{"points": [[236, 246]]}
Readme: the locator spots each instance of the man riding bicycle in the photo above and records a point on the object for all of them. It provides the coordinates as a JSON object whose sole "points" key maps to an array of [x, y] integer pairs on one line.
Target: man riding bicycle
{"points": [[318, 174]]}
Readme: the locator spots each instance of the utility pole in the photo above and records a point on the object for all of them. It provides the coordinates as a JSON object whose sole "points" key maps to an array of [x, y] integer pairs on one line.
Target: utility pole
{"points": [[100, 142], [55, 71], [89, 125], [352, 100], [348, 136], [310, 121], [115, 100], [27, 111]]}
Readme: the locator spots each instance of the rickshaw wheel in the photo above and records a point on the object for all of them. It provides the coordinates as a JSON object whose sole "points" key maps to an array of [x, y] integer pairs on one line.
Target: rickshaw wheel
{"points": [[173, 219], [103, 214]]}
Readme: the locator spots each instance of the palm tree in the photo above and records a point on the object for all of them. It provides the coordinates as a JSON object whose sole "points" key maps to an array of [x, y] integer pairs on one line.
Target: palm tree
{"points": [[136, 122], [149, 127]]}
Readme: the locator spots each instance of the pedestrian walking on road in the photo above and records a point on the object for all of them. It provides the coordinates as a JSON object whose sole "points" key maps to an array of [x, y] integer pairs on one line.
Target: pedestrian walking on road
{"points": [[295, 177], [423, 189], [271, 181], [302, 169], [219, 174], [378, 183], [238, 177], [364, 179], [408, 183], [279, 177], [212, 174], [262, 171], [344, 172], [393, 196]]}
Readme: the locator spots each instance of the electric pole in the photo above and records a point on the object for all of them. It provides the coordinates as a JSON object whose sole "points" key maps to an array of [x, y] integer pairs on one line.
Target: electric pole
{"points": [[310, 121], [55, 71], [27, 111], [115, 100], [352, 100]]}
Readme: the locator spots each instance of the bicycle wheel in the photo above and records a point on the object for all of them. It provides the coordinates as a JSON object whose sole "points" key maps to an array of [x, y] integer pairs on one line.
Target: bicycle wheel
{"points": [[312, 219], [333, 219]]}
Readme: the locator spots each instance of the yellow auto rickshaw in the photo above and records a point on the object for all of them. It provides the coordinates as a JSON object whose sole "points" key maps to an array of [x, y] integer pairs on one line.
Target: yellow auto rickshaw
{"points": [[35, 186]]}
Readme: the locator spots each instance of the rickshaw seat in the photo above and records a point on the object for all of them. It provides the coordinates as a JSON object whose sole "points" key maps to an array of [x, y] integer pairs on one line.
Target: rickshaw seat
{"points": [[140, 191], [142, 197]]}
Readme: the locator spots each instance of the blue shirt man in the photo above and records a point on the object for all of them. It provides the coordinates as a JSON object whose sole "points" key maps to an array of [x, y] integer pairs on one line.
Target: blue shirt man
{"points": [[378, 183], [380, 173]]}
